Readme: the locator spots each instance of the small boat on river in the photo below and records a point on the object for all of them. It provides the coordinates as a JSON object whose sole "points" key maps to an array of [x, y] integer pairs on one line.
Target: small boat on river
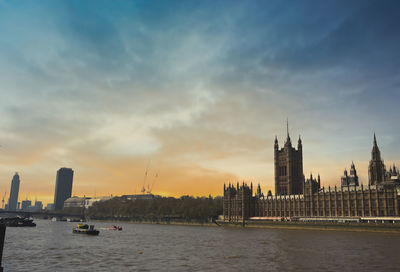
{"points": [[115, 228], [85, 229], [58, 219], [18, 222]]}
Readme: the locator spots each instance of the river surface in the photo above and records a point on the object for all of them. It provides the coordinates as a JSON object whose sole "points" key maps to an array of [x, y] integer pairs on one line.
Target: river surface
{"points": [[51, 246]]}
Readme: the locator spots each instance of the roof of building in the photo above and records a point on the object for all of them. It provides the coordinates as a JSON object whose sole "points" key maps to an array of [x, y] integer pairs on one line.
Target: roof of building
{"points": [[76, 199]]}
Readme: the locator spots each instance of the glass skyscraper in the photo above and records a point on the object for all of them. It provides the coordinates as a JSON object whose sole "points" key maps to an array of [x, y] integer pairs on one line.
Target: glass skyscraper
{"points": [[13, 200]]}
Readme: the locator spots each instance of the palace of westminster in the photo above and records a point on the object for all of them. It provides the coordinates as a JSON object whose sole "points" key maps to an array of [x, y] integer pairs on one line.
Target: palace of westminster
{"points": [[296, 196]]}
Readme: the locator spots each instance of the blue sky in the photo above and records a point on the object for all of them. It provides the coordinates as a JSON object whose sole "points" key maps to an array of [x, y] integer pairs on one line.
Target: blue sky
{"points": [[199, 88]]}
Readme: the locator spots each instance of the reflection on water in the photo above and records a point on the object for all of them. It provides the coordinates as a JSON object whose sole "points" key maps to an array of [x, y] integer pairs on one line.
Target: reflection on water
{"points": [[51, 246]]}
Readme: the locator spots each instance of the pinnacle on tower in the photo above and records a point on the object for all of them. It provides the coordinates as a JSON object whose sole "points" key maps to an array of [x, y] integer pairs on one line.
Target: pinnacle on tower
{"points": [[375, 154], [299, 145], [288, 142], [287, 128]]}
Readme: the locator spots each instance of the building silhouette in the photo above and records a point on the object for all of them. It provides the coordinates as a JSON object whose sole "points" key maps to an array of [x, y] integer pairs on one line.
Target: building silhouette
{"points": [[376, 168], [26, 205], [13, 200], [352, 178], [38, 205], [288, 163], [63, 189], [379, 199]]}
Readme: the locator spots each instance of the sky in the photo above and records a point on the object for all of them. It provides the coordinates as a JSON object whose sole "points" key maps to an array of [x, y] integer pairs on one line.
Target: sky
{"points": [[195, 91]]}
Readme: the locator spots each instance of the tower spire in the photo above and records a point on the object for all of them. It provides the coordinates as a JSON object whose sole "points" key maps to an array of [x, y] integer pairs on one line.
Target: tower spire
{"points": [[276, 146], [376, 169], [287, 127], [376, 155], [288, 142]]}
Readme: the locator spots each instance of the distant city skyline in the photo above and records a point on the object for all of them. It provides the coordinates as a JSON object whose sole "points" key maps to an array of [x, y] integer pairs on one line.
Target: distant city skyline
{"points": [[196, 90]]}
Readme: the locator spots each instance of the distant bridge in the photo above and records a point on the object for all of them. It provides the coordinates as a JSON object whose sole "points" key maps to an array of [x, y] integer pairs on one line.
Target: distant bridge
{"points": [[43, 213]]}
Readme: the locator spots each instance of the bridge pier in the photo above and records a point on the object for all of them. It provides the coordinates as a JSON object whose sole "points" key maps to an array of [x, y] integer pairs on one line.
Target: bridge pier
{"points": [[2, 235]]}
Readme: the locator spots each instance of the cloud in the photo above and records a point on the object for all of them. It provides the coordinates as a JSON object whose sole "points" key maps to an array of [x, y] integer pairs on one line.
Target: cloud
{"points": [[201, 88]]}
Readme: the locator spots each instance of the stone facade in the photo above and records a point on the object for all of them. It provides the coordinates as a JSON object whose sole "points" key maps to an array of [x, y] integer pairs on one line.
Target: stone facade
{"points": [[379, 199], [376, 168], [288, 163], [350, 179], [239, 202]]}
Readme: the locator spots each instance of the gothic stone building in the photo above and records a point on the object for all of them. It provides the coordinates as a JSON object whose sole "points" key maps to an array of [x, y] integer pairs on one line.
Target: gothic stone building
{"points": [[289, 177], [297, 197]]}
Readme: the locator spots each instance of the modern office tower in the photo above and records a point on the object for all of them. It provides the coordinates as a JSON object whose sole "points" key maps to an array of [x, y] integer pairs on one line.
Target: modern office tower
{"points": [[38, 206], [13, 200], [63, 187], [26, 205]]}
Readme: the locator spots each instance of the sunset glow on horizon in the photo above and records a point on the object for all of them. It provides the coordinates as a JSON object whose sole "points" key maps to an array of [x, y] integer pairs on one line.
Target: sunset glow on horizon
{"points": [[194, 92]]}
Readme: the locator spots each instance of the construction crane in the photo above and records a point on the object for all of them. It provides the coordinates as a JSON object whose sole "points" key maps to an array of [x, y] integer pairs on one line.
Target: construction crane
{"points": [[145, 177], [150, 188], [2, 202]]}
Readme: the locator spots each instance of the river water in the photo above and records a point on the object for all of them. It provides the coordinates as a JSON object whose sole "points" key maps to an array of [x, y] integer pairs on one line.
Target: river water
{"points": [[51, 246]]}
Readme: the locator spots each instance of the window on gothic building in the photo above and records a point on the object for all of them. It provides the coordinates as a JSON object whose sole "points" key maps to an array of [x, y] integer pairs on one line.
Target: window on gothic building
{"points": [[282, 171]]}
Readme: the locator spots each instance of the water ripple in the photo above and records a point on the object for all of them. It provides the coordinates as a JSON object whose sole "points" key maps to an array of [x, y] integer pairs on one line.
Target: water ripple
{"points": [[51, 246]]}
